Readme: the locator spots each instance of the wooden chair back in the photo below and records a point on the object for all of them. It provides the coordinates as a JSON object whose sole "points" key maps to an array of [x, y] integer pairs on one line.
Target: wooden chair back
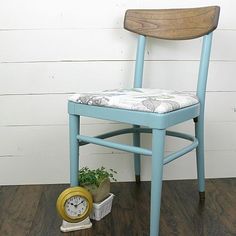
{"points": [[175, 24]]}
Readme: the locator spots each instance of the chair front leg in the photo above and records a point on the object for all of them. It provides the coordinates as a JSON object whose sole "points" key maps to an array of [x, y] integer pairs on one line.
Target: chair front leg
{"points": [[137, 159], [74, 125], [158, 144]]}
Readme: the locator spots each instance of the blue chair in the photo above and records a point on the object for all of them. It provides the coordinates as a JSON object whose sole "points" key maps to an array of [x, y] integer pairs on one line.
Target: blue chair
{"points": [[151, 110]]}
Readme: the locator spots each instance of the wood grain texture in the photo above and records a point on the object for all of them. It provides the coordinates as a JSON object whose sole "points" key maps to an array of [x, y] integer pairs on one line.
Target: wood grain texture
{"points": [[173, 24], [30, 210], [18, 209]]}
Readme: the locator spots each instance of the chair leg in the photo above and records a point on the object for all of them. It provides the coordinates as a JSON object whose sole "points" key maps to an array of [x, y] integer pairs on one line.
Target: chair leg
{"points": [[137, 159], [74, 123], [158, 144], [199, 132]]}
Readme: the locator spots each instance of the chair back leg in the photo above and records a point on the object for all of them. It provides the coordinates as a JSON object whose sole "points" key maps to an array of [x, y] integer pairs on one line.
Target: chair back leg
{"points": [[137, 159], [199, 132], [158, 145]]}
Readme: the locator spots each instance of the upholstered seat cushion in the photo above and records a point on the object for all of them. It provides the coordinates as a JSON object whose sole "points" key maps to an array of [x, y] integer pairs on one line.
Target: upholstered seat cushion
{"points": [[138, 99]]}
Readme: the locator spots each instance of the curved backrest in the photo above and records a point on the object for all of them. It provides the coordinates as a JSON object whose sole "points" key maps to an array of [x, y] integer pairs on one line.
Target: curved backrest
{"points": [[175, 24]]}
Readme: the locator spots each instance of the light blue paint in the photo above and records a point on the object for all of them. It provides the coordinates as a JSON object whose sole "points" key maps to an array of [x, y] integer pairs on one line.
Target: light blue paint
{"points": [[138, 78], [158, 146], [203, 69], [199, 125], [140, 130], [118, 146], [149, 119], [74, 124], [181, 152], [113, 133], [137, 130], [157, 123]]}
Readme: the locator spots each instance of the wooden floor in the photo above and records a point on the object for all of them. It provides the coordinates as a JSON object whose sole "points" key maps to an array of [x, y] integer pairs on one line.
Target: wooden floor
{"points": [[30, 210]]}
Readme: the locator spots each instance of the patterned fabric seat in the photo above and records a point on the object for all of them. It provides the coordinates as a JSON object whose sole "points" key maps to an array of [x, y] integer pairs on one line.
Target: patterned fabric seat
{"points": [[139, 99]]}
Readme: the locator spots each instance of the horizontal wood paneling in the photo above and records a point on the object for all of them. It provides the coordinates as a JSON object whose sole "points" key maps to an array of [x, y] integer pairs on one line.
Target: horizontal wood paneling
{"points": [[51, 49], [52, 141], [47, 141], [217, 163], [31, 14], [103, 44], [57, 45], [52, 109], [56, 170], [67, 77], [216, 136], [168, 74], [43, 78], [190, 49]]}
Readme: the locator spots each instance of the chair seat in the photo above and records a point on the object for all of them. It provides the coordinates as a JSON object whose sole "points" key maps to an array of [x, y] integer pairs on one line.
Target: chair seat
{"points": [[138, 99]]}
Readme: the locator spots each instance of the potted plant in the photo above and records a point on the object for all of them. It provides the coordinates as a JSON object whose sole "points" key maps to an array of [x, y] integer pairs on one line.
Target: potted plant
{"points": [[97, 182]]}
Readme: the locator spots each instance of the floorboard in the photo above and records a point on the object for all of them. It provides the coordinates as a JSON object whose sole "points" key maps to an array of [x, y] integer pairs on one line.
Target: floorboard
{"points": [[30, 210]]}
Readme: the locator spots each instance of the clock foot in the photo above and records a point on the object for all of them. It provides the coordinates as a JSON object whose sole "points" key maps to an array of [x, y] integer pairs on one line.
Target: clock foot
{"points": [[67, 226], [137, 179]]}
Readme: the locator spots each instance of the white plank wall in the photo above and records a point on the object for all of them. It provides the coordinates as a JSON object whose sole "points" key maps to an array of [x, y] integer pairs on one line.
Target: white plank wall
{"points": [[52, 49]]}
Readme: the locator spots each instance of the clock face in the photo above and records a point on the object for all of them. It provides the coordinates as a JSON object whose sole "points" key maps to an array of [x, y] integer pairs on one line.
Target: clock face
{"points": [[76, 206]]}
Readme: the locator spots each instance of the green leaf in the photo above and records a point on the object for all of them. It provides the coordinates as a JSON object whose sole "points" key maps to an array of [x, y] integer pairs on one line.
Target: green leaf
{"points": [[95, 177]]}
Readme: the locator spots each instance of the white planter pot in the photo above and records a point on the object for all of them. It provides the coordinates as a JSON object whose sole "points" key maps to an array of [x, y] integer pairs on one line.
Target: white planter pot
{"points": [[102, 209]]}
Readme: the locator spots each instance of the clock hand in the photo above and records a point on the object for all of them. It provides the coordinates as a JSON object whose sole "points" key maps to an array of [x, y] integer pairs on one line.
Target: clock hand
{"points": [[79, 203]]}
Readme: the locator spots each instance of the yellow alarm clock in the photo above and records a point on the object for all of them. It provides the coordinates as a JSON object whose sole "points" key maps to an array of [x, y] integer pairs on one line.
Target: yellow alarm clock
{"points": [[75, 204]]}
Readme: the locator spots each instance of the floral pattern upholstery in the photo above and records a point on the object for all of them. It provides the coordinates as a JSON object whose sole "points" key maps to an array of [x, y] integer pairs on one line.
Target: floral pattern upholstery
{"points": [[138, 99]]}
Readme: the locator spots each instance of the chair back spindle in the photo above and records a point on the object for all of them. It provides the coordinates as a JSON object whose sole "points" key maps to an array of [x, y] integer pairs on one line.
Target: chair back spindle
{"points": [[203, 69], [138, 77]]}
